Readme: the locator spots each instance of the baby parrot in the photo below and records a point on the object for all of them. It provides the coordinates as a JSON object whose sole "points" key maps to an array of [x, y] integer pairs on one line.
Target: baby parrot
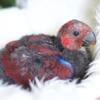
{"points": [[47, 56]]}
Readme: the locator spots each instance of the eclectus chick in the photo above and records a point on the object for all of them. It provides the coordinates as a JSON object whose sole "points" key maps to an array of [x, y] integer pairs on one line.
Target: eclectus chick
{"points": [[45, 56]]}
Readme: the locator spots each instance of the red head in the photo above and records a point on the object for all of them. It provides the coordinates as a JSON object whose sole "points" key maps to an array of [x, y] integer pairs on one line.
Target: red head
{"points": [[74, 34]]}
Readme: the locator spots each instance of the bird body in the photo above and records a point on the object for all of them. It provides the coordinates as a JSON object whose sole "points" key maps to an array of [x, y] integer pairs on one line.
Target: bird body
{"points": [[29, 58], [47, 56]]}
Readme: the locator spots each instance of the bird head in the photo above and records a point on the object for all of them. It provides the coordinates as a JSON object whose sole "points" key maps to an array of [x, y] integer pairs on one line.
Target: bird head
{"points": [[75, 34]]}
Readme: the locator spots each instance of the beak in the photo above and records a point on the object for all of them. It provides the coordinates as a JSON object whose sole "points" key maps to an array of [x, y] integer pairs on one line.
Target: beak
{"points": [[90, 39]]}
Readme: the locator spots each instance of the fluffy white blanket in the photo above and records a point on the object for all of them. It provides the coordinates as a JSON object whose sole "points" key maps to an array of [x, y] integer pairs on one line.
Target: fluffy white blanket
{"points": [[55, 89]]}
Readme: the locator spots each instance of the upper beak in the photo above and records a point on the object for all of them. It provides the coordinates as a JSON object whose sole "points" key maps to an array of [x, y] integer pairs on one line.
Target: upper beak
{"points": [[90, 39]]}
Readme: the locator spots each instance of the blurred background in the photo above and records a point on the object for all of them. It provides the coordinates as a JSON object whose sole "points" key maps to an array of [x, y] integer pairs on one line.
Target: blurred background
{"points": [[22, 17], [90, 6], [7, 3]]}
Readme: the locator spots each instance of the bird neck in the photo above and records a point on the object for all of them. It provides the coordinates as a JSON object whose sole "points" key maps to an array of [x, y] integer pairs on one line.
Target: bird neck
{"points": [[57, 43]]}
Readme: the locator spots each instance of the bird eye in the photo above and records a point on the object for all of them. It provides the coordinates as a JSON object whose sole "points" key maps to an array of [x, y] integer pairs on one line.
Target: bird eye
{"points": [[76, 33]]}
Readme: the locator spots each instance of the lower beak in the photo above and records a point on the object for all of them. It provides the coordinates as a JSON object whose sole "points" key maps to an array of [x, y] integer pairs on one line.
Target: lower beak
{"points": [[90, 39]]}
